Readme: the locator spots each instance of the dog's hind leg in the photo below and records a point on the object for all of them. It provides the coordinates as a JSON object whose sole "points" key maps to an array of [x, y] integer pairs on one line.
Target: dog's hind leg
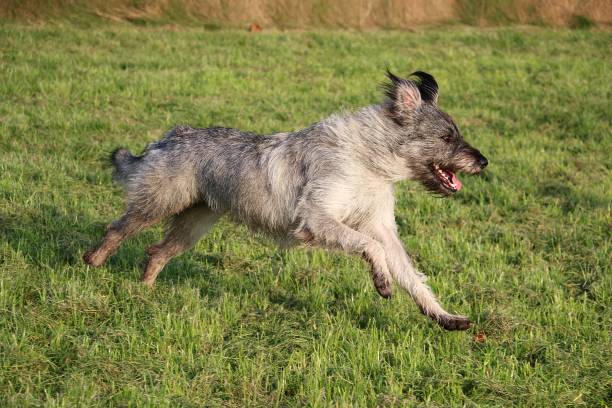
{"points": [[116, 232], [154, 193], [183, 233], [328, 233], [412, 281]]}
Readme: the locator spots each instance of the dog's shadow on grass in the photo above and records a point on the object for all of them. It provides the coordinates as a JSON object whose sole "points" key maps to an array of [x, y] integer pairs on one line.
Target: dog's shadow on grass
{"points": [[195, 266], [47, 238]]}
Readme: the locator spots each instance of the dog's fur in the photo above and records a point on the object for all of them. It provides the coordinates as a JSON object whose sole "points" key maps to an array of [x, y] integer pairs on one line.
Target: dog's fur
{"points": [[329, 185]]}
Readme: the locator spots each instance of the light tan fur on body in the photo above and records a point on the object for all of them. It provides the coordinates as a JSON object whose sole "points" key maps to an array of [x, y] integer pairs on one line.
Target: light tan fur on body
{"points": [[329, 185]]}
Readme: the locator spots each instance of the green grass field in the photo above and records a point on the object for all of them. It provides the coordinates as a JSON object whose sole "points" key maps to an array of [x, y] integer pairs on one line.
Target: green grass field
{"points": [[523, 250]]}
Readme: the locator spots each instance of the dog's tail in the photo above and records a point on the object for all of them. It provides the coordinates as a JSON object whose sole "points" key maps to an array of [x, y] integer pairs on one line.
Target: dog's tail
{"points": [[124, 163]]}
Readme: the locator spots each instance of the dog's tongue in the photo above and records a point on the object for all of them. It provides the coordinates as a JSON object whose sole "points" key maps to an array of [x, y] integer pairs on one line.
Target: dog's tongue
{"points": [[455, 181]]}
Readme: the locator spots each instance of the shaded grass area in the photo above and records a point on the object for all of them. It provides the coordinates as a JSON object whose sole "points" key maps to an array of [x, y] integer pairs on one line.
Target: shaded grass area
{"points": [[523, 250]]}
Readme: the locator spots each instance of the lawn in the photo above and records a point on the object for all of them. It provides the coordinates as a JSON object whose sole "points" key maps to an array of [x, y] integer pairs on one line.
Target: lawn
{"points": [[524, 250]]}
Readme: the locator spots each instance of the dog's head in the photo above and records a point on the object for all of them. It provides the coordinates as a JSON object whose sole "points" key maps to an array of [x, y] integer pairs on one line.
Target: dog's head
{"points": [[428, 138]]}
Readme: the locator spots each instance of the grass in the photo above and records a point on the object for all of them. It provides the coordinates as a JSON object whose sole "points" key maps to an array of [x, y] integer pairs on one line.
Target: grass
{"points": [[523, 250], [306, 14]]}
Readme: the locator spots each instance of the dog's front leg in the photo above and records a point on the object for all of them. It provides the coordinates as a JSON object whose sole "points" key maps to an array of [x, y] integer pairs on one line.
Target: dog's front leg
{"points": [[406, 275], [326, 232]]}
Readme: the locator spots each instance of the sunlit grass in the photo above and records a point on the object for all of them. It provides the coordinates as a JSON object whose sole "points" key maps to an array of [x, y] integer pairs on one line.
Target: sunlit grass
{"points": [[523, 250]]}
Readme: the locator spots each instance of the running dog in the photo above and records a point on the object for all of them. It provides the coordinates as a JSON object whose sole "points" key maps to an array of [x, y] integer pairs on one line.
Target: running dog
{"points": [[328, 185]]}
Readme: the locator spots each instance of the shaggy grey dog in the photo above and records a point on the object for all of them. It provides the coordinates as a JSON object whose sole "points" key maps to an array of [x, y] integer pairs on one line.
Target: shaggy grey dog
{"points": [[329, 185]]}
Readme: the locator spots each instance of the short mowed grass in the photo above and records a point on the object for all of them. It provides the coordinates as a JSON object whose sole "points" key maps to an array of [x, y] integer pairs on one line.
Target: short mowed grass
{"points": [[524, 249]]}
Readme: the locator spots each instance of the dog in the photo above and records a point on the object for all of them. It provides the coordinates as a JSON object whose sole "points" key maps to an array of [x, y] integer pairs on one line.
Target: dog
{"points": [[329, 185]]}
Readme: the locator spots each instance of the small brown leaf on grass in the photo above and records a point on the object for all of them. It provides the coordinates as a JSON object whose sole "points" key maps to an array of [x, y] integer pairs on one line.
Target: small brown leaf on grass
{"points": [[254, 28], [480, 337]]}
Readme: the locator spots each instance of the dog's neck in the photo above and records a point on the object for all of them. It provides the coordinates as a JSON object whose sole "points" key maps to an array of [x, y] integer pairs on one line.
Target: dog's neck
{"points": [[371, 137]]}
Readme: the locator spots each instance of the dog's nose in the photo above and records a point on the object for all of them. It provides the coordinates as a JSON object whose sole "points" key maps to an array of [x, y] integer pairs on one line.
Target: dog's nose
{"points": [[483, 162]]}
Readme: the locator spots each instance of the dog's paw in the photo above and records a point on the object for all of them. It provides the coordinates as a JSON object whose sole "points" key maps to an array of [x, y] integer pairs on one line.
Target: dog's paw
{"points": [[454, 322], [90, 259], [147, 281], [385, 292], [383, 286]]}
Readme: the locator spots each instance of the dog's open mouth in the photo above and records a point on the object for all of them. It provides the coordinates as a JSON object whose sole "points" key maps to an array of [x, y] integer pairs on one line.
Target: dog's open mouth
{"points": [[447, 178]]}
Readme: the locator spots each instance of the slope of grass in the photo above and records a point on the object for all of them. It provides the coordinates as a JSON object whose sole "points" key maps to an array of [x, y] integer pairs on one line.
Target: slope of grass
{"points": [[523, 250]]}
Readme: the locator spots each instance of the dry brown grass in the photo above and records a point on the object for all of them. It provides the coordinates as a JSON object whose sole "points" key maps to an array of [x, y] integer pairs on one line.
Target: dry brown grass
{"points": [[549, 12], [360, 14]]}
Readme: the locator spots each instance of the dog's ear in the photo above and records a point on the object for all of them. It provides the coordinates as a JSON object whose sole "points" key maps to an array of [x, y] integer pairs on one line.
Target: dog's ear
{"points": [[428, 87], [404, 96]]}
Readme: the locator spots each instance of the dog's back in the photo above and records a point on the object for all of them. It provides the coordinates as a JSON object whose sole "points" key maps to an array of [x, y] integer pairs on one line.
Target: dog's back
{"points": [[255, 179]]}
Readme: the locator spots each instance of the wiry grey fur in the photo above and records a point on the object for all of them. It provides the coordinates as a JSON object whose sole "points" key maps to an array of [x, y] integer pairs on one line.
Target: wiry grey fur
{"points": [[329, 185]]}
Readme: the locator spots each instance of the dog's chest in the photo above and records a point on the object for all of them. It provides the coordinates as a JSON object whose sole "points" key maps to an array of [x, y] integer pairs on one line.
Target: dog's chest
{"points": [[365, 203]]}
